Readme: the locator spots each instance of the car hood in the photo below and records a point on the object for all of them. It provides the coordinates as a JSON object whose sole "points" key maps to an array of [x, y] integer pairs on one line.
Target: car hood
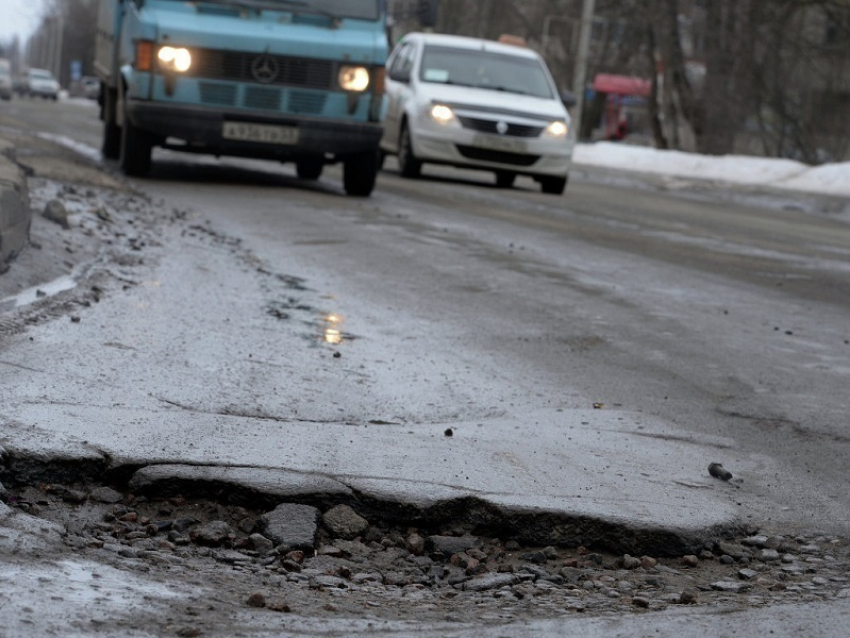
{"points": [[465, 97]]}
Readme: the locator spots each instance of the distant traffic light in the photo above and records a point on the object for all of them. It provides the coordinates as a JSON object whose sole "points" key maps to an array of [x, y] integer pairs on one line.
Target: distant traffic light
{"points": [[427, 11]]}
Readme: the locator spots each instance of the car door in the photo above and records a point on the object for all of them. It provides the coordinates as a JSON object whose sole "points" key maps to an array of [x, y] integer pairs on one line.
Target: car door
{"points": [[397, 89]]}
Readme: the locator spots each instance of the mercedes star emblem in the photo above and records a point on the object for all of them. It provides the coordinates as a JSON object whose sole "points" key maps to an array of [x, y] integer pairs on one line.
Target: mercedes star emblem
{"points": [[265, 69], [502, 128]]}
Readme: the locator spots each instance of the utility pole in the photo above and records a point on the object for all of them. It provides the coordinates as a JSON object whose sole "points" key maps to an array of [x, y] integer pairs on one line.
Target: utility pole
{"points": [[483, 18], [580, 73]]}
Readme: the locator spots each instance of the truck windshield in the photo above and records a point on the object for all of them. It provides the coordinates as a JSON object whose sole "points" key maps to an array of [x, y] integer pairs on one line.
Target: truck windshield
{"points": [[485, 70], [359, 9]]}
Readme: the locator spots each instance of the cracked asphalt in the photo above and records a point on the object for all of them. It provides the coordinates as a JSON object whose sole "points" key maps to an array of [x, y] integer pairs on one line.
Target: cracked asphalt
{"points": [[561, 376]]}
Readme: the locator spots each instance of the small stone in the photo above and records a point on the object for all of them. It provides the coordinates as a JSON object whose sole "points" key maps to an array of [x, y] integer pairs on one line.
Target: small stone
{"points": [[648, 562], [213, 534], [415, 544], [630, 562], [343, 522], [261, 544], [256, 600], [56, 212], [730, 586], [768, 556], [291, 524], [725, 559], [820, 581], [450, 545], [718, 471], [640, 601], [747, 574], [690, 561], [490, 581], [755, 541], [734, 550], [106, 495], [279, 606], [689, 597], [328, 581]]}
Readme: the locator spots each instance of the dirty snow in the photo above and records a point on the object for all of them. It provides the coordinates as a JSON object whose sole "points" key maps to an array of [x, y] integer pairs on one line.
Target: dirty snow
{"points": [[829, 179]]}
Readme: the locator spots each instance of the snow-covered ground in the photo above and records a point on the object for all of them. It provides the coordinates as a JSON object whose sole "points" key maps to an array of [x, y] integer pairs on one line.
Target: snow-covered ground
{"points": [[830, 179]]}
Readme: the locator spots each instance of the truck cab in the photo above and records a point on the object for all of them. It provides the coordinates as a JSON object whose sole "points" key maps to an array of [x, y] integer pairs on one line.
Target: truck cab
{"points": [[288, 80]]}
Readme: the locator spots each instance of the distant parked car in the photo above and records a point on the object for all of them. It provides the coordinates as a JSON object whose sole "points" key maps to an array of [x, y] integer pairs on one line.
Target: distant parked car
{"points": [[91, 87], [19, 85], [41, 83], [6, 86]]}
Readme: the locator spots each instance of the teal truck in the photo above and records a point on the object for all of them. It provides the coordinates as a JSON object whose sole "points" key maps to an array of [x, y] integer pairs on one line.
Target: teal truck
{"points": [[298, 81]]}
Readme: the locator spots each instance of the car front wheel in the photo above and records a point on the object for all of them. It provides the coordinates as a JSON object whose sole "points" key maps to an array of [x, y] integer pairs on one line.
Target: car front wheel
{"points": [[407, 162], [505, 179], [552, 185]]}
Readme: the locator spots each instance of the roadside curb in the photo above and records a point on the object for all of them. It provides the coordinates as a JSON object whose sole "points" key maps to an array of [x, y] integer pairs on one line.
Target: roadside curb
{"points": [[15, 213]]}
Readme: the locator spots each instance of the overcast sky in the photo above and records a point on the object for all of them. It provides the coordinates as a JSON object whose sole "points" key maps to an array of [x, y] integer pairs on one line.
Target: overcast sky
{"points": [[18, 16]]}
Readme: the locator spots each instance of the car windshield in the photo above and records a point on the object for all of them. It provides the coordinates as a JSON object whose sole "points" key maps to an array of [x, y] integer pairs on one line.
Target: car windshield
{"points": [[41, 75], [360, 9], [485, 69]]}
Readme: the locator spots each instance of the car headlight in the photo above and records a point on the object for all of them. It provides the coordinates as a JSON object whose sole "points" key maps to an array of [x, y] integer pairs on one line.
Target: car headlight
{"points": [[174, 59], [442, 114], [354, 78], [557, 129]]}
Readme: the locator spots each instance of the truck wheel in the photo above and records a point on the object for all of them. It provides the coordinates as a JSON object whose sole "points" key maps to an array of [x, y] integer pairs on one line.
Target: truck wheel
{"points": [[310, 169], [359, 173], [553, 185], [407, 162], [136, 149], [111, 147]]}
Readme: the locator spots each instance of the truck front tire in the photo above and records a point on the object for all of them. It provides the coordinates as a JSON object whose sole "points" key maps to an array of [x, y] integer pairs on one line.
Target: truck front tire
{"points": [[111, 148], [359, 173], [136, 149]]}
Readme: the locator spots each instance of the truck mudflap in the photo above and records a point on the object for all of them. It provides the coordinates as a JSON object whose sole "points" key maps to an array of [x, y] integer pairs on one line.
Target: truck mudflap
{"points": [[199, 129]]}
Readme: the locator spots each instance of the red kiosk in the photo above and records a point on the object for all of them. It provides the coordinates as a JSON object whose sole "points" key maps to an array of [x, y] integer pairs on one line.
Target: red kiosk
{"points": [[620, 89]]}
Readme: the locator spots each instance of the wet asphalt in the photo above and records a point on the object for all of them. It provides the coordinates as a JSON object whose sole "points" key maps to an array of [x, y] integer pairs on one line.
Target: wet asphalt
{"points": [[590, 355]]}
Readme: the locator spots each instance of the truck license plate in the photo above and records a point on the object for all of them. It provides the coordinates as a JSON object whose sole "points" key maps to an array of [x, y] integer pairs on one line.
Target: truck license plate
{"points": [[493, 143], [265, 133]]}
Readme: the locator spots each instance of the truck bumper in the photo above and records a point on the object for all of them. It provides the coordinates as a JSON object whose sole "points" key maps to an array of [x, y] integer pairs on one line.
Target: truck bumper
{"points": [[200, 130]]}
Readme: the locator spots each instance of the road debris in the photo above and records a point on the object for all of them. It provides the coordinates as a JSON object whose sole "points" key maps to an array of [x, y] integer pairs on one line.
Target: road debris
{"points": [[718, 471]]}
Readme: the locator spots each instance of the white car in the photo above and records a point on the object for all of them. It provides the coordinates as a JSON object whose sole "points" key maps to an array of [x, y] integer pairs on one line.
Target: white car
{"points": [[477, 104], [41, 83]]}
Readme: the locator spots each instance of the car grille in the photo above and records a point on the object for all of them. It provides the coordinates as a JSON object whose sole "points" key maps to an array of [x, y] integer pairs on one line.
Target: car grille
{"points": [[489, 126], [236, 66], [498, 157]]}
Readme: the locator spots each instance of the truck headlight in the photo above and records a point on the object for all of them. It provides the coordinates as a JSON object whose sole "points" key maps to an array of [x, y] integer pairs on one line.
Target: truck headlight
{"points": [[174, 59], [557, 129], [354, 78]]}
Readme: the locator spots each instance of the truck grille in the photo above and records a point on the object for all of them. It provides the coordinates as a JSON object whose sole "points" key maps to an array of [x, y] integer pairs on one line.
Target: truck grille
{"points": [[236, 66], [266, 98]]}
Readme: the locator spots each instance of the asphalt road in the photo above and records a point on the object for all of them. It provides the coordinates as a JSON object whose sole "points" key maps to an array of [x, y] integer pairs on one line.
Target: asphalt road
{"points": [[719, 313], [591, 354]]}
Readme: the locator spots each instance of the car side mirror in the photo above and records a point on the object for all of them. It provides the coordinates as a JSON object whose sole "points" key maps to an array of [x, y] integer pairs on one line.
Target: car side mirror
{"points": [[400, 76], [569, 99]]}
